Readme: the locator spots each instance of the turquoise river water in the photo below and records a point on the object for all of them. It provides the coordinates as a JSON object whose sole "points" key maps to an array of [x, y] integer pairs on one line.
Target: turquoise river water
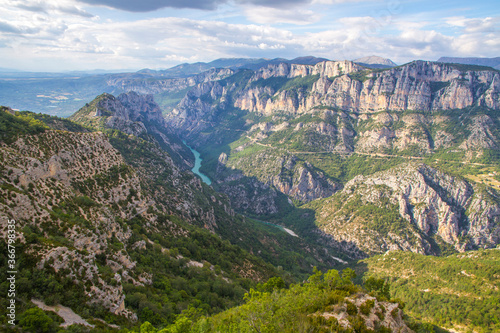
{"points": [[197, 165]]}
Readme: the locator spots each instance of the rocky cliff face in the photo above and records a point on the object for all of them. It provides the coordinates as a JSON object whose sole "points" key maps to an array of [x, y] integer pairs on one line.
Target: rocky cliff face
{"points": [[380, 314], [197, 110], [206, 99], [145, 84], [134, 114], [286, 173], [362, 96], [427, 206], [322, 69], [419, 85], [128, 113], [296, 119]]}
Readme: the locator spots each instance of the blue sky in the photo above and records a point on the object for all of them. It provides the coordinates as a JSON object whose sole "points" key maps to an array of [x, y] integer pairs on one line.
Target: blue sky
{"points": [[60, 35]]}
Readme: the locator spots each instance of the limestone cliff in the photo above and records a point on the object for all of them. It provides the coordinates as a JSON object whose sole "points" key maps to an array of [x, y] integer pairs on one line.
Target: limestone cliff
{"points": [[293, 130], [359, 96], [127, 113], [411, 207], [134, 114], [155, 84], [286, 173], [420, 85]]}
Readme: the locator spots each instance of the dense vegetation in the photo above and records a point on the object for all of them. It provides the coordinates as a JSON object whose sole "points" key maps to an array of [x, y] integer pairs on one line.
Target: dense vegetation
{"points": [[311, 306], [460, 290], [13, 125]]}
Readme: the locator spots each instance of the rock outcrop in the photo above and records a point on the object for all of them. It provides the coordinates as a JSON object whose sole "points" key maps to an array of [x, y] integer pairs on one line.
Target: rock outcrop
{"points": [[147, 84], [373, 313], [136, 115], [297, 179], [427, 206], [420, 85], [128, 113]]}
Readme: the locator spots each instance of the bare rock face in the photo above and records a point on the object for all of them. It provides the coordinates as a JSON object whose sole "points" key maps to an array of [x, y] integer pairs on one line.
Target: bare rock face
{"points": [[323, 69], [146, 85], [484, 217], [253, 197], [432, 203], [481, 134], [287, 174], [419, 85], [196, 111], [301, 181], [373, 313], [128, 113], [141, 108], [491, 97], [361, 95]]}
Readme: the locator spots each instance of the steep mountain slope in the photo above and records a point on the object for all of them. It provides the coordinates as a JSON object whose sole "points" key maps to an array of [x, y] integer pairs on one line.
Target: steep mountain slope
{"points": [[134, 114], [292, 130], [94, 221], [128, 231], [411, 207]]}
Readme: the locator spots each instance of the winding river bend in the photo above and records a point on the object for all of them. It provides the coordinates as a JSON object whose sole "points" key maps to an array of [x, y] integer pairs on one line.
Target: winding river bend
{"points": [[197, 165], [206, 180]]}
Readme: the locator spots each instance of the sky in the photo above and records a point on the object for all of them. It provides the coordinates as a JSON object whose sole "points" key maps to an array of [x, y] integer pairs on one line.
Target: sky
{"points": [[64, 35]]}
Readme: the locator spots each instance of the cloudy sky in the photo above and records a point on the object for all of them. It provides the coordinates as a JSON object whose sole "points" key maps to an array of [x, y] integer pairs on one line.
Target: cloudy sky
{"points": [[60, 35]]}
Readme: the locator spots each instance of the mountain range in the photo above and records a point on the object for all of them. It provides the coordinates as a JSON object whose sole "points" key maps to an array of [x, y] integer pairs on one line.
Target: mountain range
{"points": [[490, 62], [349, 168], [61, 94]]}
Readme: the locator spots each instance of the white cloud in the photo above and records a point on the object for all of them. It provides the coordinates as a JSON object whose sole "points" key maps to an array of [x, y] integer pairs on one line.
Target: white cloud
{"points": [[68, 7], [59, 34], [155, 43], [265, 15], [474, 25]]}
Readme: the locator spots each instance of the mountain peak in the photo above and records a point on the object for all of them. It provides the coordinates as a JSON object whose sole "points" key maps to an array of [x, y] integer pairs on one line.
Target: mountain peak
{"points": [[375, 61], [127, 112]]}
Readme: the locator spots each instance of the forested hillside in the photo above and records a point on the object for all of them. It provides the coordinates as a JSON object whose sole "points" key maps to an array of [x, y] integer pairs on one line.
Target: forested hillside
{"points": [[460, 291]]}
